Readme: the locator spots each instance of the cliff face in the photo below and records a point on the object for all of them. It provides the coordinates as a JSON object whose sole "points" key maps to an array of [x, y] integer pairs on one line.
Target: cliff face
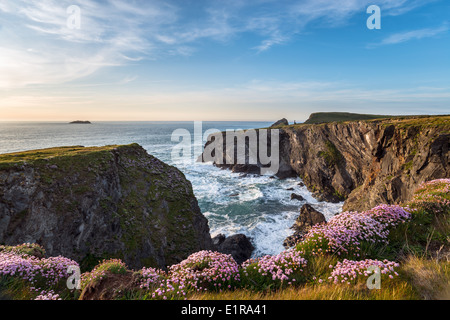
{"points": [[94, 203], [364, 162]]}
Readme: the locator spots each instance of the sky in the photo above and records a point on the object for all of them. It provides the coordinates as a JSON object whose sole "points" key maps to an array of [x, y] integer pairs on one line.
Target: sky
{"points": [[211, 60]]}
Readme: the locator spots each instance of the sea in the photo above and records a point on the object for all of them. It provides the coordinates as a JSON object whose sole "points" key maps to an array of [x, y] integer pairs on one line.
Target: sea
{"points": [[257, 206]]}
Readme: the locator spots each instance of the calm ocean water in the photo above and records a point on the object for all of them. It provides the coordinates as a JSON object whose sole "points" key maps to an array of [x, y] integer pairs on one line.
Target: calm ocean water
{"points": [[258, 207]]}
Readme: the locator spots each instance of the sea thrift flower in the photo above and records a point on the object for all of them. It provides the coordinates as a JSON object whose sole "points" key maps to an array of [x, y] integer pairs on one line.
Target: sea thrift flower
{"points": [[205, 269], [50, 295], [279, 267], [349, 270], [48, 272], [151, 278], [433, 195], [344, 233]]}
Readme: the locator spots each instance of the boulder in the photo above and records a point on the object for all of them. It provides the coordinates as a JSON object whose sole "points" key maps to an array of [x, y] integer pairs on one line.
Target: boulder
{"points": [[308, 217], [238, 245], [218, 240], [298, 197]]}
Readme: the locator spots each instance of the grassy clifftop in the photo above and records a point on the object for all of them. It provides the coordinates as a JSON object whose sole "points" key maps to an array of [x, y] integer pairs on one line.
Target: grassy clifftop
{"points": [[100, 202], [406, 121], [49, 153], [322, 117]]}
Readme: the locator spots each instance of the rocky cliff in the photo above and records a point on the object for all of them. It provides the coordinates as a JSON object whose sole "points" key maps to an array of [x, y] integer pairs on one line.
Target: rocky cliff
{"points": [[94, 203], [362, 162]]}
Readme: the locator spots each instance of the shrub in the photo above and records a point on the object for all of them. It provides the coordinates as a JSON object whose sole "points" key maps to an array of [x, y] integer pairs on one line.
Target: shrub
{"points": [[349, 271], [206, 270], [278, 270], [348, 232], [33, 273]]}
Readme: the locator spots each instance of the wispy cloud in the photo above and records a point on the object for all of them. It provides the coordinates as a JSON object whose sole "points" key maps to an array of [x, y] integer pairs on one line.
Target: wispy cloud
{"points": [[38, 48], [412, 35]]}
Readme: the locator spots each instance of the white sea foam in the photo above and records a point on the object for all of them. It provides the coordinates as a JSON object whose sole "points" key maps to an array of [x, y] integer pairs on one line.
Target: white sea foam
{"points": [[257, 206]]}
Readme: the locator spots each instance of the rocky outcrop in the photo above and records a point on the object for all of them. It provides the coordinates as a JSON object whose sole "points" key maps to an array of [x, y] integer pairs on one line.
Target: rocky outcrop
{"points": [[96, 203], [363, 162], [238, 245], [282, 122], [298, 197], [308, 217]]}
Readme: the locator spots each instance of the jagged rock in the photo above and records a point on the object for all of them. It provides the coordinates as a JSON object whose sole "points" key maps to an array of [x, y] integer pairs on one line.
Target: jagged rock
{"points": [[308, 217], [238, 245], [282, 122], [114, 201], [295, 196], [364, 163]]}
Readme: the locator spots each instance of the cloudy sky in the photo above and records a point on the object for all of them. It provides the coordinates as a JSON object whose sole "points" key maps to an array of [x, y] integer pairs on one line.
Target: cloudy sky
{"points": [[221, 59]]}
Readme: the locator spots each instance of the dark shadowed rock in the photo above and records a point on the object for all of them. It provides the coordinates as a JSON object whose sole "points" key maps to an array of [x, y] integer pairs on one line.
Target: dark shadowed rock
{"points": [[308, 217], [218, 240], [90, 204], [238, 245], [295, 196]]}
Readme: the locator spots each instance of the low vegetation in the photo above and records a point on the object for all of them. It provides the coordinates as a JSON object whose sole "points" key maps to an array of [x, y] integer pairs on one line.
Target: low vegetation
{"points": [[323, 117], [406, 245]]}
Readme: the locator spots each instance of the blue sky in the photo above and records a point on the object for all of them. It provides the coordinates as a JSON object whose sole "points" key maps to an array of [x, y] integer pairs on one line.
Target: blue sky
{"points": [[222, 60]]}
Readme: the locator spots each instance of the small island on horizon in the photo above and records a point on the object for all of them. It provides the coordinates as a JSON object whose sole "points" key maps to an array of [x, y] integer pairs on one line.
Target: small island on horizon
{"points": [[80, 122]]}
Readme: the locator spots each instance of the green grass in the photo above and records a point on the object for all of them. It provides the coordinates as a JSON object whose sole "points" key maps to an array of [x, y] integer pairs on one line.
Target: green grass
{"points": [[441, 122], [322, 117], [9, 159]]}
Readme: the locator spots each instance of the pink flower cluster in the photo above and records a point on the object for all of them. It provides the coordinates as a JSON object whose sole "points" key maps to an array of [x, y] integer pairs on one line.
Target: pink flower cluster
{"points": [[278, 267], [349, 270], [48, 295], [46, 272], [442, 183], [151, 277], [12, 264], [344, 232], [205, 269], [29, 268], [201, 271], [433, 195], [389, 215]]}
